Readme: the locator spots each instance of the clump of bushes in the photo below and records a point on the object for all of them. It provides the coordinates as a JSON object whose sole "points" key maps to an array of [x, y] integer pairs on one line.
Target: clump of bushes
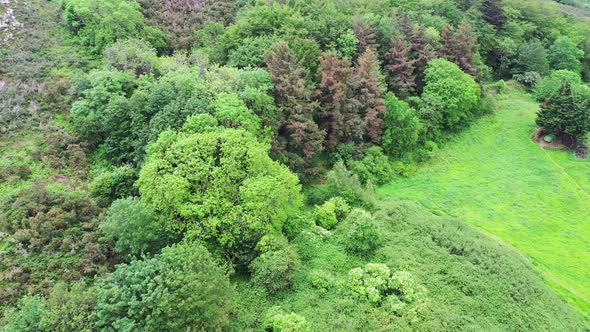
{"points": [[183, 286], [275, 268], [398, 291], [359, 233], [278, 321], [331, 212]]}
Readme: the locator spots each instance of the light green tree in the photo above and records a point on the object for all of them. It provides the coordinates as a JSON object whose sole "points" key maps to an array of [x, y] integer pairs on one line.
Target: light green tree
{"points": [[219, 186]]}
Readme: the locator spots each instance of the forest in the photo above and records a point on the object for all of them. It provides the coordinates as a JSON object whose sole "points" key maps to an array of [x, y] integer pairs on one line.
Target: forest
{"points": [[294, 165]]}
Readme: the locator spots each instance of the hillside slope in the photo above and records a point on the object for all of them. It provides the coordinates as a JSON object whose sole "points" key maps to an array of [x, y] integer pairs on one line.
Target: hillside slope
{"points": [[495, 177]]}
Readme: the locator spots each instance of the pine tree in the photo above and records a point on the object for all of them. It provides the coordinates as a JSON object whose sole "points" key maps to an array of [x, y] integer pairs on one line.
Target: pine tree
{"points": [[333, 95], [367, 122], [367, 35], [401, 77], [459, 46], [493, 13], [422, 52], [566, 114], [299, 136]]}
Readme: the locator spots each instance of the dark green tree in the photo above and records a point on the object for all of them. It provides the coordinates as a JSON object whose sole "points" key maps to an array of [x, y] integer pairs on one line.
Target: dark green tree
{"points": [[567, 113], [181, 289]]}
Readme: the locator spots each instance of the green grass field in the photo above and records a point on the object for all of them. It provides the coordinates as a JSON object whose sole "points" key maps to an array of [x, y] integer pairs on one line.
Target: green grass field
{"points": [[495, 177]]}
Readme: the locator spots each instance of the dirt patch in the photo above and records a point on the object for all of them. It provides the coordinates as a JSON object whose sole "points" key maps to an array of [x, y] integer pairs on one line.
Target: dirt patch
{"points": [[539, 136]]}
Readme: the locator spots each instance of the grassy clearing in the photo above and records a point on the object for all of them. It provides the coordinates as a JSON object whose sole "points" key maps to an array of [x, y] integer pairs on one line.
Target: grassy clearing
{"points": [[495, 177]]}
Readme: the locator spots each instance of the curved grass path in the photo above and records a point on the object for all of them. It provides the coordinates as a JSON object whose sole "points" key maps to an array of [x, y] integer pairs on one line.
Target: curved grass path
{"points": [[495, 177]]}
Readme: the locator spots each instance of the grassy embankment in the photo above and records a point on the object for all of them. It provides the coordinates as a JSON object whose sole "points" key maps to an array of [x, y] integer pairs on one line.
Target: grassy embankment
{"points": [[496, 178]]}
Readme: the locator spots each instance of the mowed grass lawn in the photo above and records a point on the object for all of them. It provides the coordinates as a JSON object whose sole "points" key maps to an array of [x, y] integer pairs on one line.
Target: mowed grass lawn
{"points": [[495, 177]]}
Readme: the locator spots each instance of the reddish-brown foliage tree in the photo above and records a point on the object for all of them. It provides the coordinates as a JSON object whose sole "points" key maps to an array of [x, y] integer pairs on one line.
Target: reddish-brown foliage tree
{"points": [[180, 19], [459, 46], [422, 52], [400, 66], [299, 136], [367, 122], [367, 35], [333, 94]]}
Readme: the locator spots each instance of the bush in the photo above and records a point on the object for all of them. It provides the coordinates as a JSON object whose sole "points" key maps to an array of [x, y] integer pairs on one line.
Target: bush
{"points": [[567, 113], [528, 79], [375, 167], [331, 212], [111, 185], [71, 307], [29, 316], [133, 228], [359, 233], [182, 287], [51, 233], [342, 182], [95, 25], [275, 270], [564, 54], [277, 321], [375, 282], [500, 86]]}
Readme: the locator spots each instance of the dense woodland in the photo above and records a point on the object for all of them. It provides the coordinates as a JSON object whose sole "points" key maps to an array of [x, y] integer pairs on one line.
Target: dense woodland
{"points": [[211, 165]]}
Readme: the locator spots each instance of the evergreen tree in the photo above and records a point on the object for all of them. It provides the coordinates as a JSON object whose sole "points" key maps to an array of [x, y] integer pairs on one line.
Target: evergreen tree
{"points": [[459, 46], [401, 77], [567, 113], [367, 35], [422, 52], [367, 123], [333, 95], [299, 136], [493, 13]]}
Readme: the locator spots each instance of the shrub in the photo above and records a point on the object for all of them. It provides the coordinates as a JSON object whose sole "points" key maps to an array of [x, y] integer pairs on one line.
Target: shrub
{"points": [[375, 167], [371, 282], [200, 123], [134, 228], [375, 282], [342, 182], [331, 212], [564, 54], [500, 86], [277, 321], [231, 112], [97, 24], [111, 185], [360, 233], [51, 234], [528, 79], [275, 269], [182, 287], [29, 316], [71, 307], [567, 113]]}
